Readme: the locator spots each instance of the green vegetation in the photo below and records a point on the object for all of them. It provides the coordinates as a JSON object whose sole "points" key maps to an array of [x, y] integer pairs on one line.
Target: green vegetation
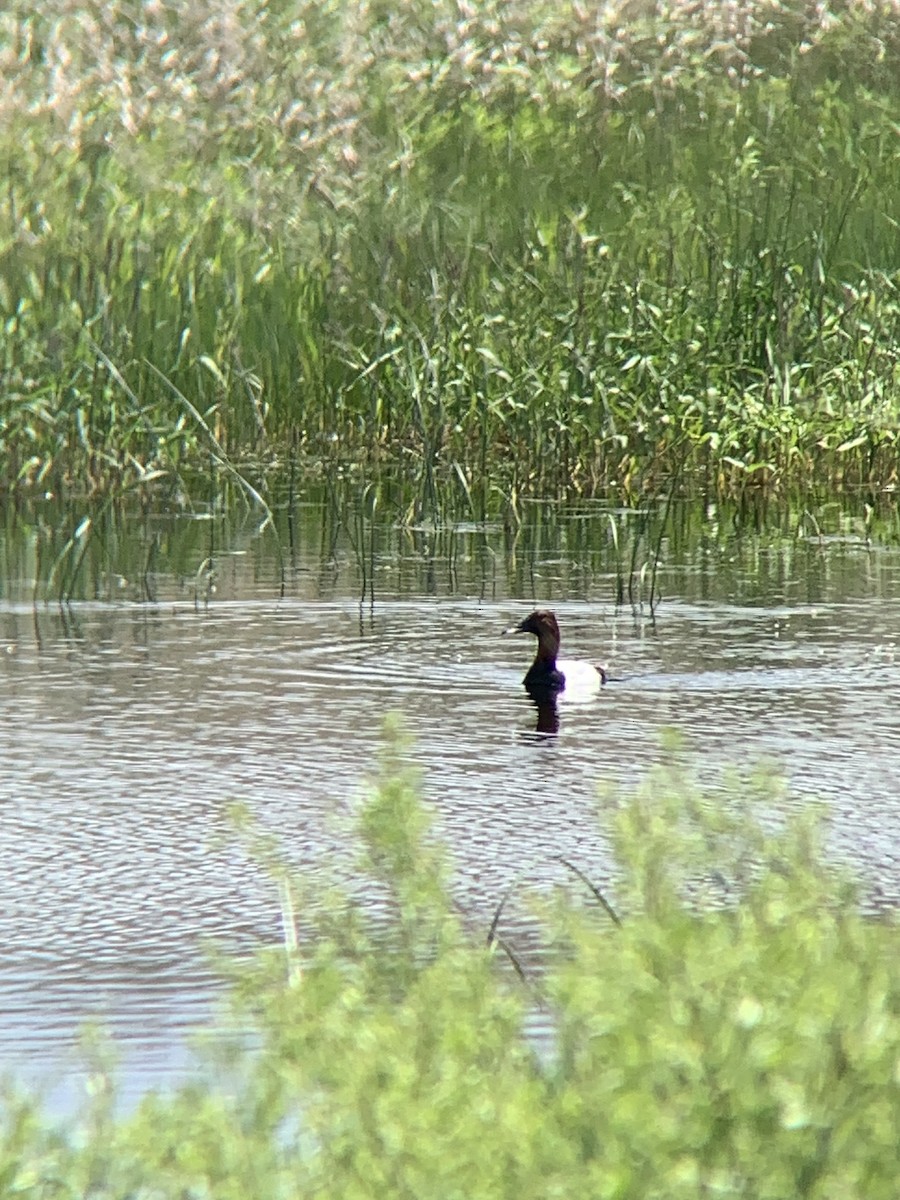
{"points": [[513, 247], [736, 1031]]}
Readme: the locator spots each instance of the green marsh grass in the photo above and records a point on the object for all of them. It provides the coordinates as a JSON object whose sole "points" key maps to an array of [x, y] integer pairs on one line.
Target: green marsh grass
{"points": [[736, 1029], [516, 249]]}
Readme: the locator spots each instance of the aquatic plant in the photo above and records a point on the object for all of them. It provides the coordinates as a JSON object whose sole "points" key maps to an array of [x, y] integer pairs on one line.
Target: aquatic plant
{"points": [[512, 248]]}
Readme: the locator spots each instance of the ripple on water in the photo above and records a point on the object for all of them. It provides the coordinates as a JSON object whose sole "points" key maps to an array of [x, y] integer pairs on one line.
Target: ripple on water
{"points": [[124, 747]]}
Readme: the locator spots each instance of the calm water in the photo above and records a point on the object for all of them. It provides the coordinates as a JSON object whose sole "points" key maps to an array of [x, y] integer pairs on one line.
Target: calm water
{"points": [[130, 725]]}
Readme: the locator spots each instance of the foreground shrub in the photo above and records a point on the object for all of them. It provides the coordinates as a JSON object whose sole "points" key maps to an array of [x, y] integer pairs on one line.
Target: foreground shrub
{"points": [[746, 1048]]}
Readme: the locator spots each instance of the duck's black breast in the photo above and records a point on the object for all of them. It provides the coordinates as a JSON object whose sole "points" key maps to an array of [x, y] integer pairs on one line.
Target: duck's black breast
{"points": [[541, 676]]}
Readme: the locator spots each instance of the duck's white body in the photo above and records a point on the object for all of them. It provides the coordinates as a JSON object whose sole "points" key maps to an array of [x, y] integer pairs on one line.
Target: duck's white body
{"points": [[581, 678]]}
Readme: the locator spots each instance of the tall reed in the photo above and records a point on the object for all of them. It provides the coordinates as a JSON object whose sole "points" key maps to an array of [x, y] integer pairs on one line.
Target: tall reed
{"points": [[517, 247]]}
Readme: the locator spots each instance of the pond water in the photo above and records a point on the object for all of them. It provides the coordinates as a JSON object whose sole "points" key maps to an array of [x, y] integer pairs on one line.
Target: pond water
{"points": [[199, 668]]}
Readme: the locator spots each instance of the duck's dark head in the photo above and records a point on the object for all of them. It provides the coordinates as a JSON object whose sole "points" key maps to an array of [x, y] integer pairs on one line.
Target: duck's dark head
{"points": [[542, 623]]}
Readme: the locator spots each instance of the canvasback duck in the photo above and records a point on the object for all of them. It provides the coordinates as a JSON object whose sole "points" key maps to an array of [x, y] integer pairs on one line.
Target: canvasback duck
{"points": [[548, 672]]}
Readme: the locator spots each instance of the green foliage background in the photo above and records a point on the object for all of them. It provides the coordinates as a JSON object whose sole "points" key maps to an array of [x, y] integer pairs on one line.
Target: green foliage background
{"points": [[543, 246]]}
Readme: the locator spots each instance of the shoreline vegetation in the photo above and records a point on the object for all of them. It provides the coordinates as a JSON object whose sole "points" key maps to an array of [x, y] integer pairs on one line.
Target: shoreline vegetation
{"points": [[722, 1020], [511, 249]]}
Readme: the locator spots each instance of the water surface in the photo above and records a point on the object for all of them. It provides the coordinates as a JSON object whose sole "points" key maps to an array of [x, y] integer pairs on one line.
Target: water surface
{"points": [[129, 726]]}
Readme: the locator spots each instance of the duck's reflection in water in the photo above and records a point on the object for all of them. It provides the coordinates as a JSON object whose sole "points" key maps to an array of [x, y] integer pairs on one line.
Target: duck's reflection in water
{"points": [[548, 703], [545, 701]]}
